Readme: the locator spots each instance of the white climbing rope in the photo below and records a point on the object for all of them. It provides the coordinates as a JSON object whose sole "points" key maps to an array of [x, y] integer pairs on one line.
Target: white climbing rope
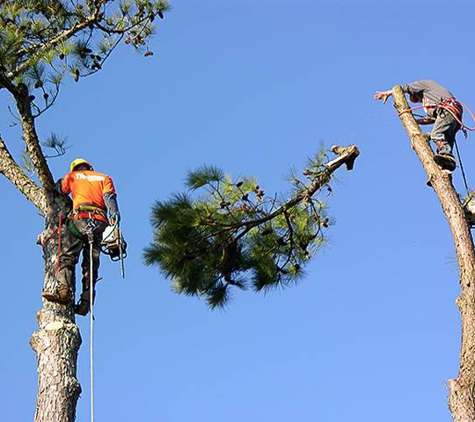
{"points": [[91, 319]]}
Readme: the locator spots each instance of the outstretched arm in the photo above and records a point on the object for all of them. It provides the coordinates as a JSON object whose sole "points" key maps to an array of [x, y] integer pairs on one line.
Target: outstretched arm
{"points": [[383, 95]]}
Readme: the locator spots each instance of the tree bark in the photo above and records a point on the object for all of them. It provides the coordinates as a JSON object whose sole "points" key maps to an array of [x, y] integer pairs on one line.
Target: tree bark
{"points": [[461, 390], [13, 172], [57, 340], [30, 136]]}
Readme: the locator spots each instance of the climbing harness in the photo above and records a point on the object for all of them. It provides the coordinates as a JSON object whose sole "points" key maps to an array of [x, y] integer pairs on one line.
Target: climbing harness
{"points": [[89, 211], [453, 106]]}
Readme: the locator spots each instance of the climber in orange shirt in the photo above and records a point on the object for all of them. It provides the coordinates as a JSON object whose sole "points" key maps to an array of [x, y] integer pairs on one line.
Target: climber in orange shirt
{"points": [[93, 197]]}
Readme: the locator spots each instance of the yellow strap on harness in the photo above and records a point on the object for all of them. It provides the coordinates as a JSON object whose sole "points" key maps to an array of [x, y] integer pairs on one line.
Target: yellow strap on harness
{"points": [[89, 208]]}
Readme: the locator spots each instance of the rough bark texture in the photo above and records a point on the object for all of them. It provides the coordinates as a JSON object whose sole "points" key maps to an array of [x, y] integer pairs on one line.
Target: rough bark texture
{"points": [[37, 58], [57, 340], [461, 390], [56, 344], [13, 172], [30, 136]]}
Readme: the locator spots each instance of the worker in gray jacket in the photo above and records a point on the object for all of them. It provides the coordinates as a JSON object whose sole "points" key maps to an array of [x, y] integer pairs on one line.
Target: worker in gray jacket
{"points": [[442, 110]]}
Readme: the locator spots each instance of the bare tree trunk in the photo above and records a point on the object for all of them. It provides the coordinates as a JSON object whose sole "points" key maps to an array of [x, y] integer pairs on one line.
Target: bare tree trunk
{"points": [[461, 390], [57, 340]]}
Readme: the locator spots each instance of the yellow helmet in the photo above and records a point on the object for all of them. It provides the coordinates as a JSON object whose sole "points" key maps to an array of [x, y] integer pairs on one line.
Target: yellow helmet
{"points": [[76, 163]]}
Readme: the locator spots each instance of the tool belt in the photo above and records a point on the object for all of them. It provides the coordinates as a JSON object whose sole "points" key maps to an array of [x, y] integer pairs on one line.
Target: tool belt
{"points": [[86, 211]]}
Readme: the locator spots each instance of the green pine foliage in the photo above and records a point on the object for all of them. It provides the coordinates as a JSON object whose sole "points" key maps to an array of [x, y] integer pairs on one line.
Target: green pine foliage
{"points": [[42, 41], [223, 233]]}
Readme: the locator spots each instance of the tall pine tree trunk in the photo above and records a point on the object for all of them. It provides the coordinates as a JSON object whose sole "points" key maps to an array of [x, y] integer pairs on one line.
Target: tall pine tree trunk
{"points": [[32, 73], [57, 340], [462, 389]]}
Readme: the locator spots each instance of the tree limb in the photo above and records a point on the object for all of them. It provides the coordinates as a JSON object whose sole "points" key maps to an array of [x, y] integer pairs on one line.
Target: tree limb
{"points": [[13, 172], [39, 49], [95, 19], [30, 136], [346, 155]]}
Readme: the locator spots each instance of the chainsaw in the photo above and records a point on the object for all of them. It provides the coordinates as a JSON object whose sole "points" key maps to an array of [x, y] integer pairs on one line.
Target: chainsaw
{"points": [[114, 245]]}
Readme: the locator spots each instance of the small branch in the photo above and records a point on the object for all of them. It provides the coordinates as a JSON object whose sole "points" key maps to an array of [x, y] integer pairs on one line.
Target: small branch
{"points": [[41, 48], [13, 172], [346, 156], [38, 49], [106, 56], [33, 148], [48, 102], [112, 31]]}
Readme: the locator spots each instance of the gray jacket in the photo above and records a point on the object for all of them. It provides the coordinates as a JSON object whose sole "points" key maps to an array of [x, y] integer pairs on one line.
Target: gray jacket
{"points": [[432, 92]]}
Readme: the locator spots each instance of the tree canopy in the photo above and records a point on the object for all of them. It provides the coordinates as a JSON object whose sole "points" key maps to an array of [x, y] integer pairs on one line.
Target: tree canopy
{"points": [[41, 42]]}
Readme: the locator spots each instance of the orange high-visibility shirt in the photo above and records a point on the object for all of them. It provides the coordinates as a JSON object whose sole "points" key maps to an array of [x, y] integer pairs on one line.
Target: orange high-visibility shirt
{"points": [[87, 187]]}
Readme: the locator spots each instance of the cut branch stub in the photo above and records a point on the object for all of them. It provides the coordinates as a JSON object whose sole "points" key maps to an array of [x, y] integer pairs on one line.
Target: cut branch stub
{"points": [[348, 154]]}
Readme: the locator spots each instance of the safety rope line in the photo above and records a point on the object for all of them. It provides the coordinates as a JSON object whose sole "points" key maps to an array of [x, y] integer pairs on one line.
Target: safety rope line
{"points": [[58, 257], [48, 238], [449, 109], [121, 253], [91, 319], [43, 244], [464, 177], [463, 126]]}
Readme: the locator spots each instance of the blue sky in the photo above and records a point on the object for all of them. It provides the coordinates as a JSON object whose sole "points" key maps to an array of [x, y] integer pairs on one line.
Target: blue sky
{"points": [[372, 332]]}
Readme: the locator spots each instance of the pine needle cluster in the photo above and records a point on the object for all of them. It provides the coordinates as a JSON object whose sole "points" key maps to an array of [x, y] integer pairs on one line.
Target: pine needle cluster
{"points": [[41, 41], [223, 233]]}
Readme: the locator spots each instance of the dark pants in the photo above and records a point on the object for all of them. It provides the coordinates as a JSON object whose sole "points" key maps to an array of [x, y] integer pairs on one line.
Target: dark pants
{"points": [[444, 130], [75, 243]]}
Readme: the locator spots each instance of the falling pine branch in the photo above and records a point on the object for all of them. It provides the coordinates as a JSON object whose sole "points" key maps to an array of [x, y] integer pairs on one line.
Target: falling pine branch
{"points": [[224, 233]]}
